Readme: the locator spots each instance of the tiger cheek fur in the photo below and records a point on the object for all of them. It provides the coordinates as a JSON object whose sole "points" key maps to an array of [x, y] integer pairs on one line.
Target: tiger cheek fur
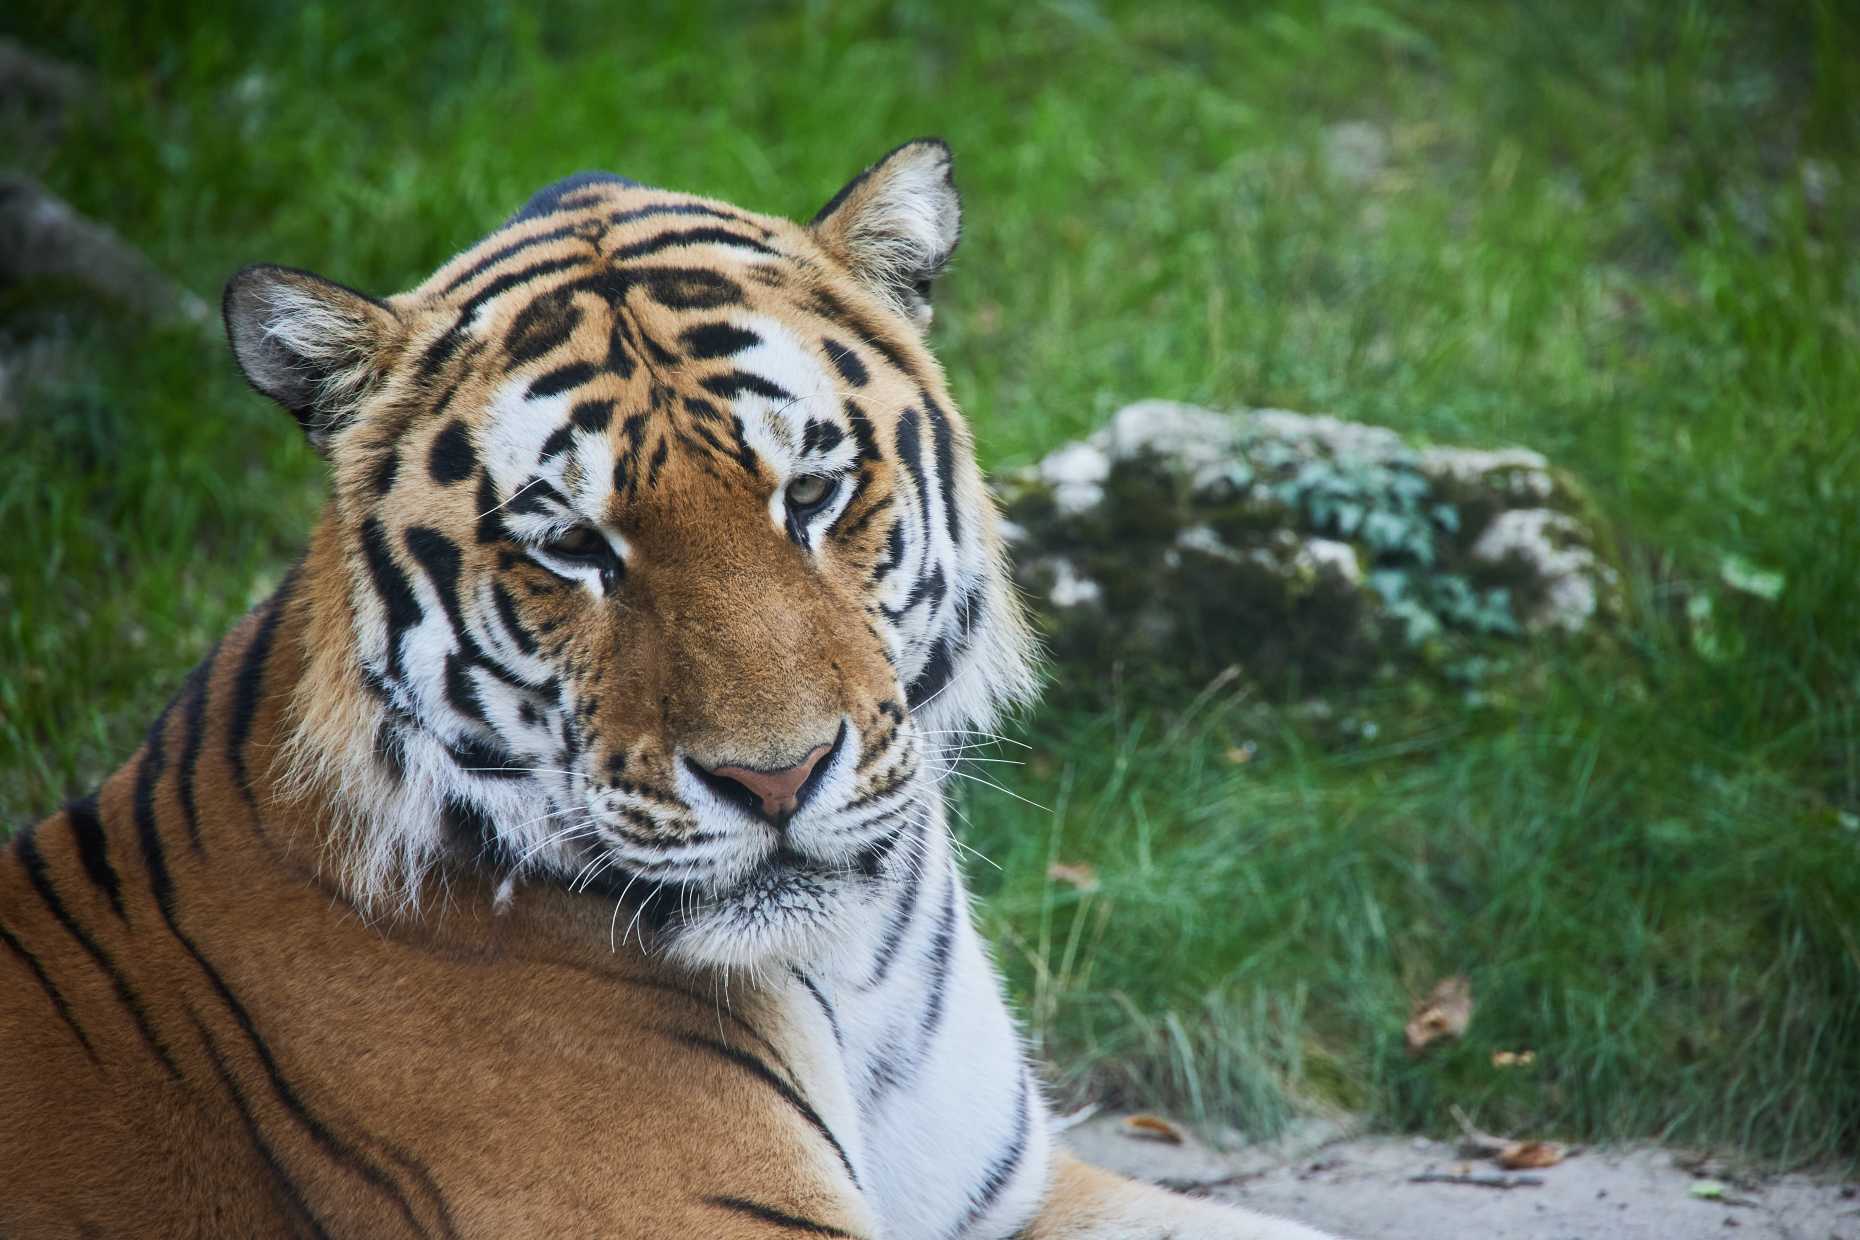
{"points": [[559, 850]]}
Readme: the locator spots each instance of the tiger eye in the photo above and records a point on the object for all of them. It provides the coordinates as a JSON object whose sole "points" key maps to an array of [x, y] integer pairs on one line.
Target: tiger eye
{"points": [[811, 491], [581, 543]]}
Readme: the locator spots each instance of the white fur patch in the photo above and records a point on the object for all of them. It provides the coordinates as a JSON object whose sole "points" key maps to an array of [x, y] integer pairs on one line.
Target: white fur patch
{"points": [[306, 343], [908, 228], [899, 227]]}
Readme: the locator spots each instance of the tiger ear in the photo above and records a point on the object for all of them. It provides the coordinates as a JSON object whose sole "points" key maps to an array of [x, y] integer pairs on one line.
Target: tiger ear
{"points": [[308, 343], [896, 224]]}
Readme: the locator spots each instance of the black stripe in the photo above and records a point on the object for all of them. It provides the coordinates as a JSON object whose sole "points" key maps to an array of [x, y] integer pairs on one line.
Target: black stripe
{"points": [[249, 681], [660, 354], [762, 1072], [34, 862], [943, 454], [942, 946], [161, 887], [659, 454], [826, 1009], [559, 441], [292, 1198], [703, 410], [1002, 1168], [709, 340], [969, 608], [513, 623], [933, 588], [439, 556], [776, 1218], [499, 255], [484, 661], [938, 671], [688, 288], [620, 346], [894, 935], [560, 380], [734, 383], [461, 690], [193, 737], [483, 757], [51, 990], [675, 208], [452, 458], [846, 362], [846, 525], [863, 432], [627, 459], [506, 282], [441, 350], [909, 444], [706, 235], [439, 406], [894, 552], [867, 453], [391, 585], [866, 331], [542, 326], [94, 850], [711, 1007], [384, 472], [820, 435], [592, 415], [491, 526], [530, 495]]}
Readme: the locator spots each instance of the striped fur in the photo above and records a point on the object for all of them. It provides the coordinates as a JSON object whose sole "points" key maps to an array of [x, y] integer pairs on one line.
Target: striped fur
{"points": [[422, 909]]}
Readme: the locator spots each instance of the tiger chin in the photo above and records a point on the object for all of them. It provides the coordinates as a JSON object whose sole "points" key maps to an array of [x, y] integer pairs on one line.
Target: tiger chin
{"points": [[559, 850]]}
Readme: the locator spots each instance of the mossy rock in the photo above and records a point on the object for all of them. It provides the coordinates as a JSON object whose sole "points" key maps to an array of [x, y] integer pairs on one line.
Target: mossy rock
{"points": [[1308, 551]]}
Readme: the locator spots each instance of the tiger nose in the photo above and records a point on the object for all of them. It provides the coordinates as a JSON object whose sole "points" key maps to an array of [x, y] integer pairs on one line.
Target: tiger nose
{"points": [[778, 793]]}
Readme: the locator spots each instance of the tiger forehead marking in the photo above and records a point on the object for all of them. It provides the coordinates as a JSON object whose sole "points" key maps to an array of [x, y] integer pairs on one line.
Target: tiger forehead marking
{"points": [[667, 556]]}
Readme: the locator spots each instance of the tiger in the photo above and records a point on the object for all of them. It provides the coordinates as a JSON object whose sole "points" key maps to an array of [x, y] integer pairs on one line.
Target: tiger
{"points": [[559, 850]]}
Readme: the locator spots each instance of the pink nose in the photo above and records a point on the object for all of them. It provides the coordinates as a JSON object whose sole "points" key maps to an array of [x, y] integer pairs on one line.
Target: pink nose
{"points": [[779, 792]]}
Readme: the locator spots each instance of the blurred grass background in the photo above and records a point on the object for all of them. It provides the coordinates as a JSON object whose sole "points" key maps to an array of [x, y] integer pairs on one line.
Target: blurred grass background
{"points": [[1621, 233]]}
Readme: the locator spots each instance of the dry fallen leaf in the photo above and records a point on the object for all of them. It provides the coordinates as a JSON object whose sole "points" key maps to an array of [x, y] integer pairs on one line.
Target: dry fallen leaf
{"points": [[1525, 1155], [1474, 1143], [1444, 1013], [1078, 875], [1152, 1128], [1513, 1059]]}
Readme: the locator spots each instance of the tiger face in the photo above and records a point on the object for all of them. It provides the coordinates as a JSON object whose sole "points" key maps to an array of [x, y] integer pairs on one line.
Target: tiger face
{"points": [[667, 566]]}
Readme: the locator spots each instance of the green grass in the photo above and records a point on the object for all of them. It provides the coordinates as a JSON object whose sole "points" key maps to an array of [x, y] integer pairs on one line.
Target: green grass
{"points": [[1625, 234]]}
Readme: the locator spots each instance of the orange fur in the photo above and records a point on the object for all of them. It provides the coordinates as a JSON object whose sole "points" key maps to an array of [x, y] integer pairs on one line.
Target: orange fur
{"points": [[250, 992]]}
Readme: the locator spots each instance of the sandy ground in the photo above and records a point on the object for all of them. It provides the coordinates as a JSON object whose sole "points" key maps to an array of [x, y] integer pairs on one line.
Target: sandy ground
{"points": [[1361, 1187]]}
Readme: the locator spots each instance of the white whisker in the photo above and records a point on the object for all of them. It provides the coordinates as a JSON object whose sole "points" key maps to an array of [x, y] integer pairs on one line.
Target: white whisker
{"points": [[513, 495]]}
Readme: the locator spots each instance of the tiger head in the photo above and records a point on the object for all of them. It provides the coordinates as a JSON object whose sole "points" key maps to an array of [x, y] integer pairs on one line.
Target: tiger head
{"points": [[656, 561]]}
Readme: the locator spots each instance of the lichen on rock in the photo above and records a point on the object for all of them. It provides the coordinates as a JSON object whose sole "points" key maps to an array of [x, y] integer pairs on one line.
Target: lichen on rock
{"points": [[1306, 549]]}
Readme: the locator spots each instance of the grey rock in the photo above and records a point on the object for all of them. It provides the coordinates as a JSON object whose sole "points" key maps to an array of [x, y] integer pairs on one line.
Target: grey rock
{"points": [[1305, 549], [32, 76], [43, 237]]}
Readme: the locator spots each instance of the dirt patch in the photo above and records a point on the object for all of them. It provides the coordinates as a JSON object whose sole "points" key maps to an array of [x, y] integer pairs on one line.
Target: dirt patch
{"points": [[1364, 1187]]}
